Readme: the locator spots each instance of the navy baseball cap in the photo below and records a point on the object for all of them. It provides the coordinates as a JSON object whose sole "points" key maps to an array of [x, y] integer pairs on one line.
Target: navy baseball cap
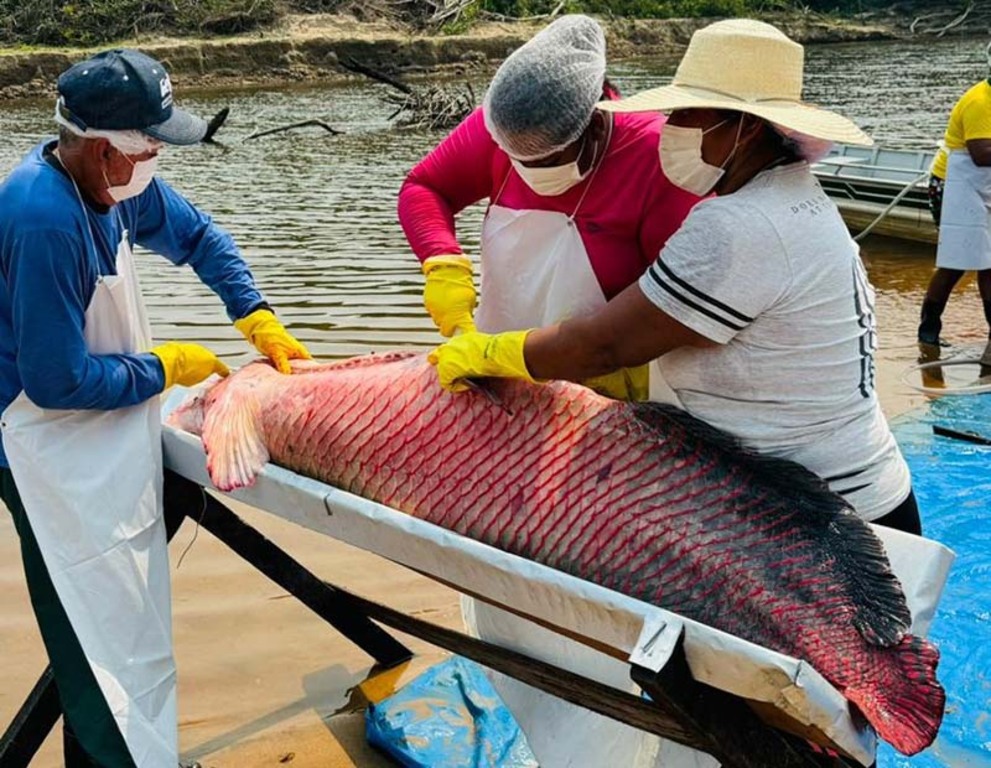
{"points": [[126, 90]]}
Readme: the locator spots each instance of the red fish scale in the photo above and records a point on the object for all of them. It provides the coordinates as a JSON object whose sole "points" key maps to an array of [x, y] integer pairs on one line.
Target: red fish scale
{"points": [[410, 449], [577, 482]]}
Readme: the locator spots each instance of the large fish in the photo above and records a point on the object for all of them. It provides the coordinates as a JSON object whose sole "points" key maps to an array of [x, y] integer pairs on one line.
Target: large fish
{"points": [[640, 498]]}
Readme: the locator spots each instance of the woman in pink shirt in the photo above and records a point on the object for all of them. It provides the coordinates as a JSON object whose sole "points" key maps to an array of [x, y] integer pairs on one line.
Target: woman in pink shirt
{"points": [[578, 204], [578, 210]]}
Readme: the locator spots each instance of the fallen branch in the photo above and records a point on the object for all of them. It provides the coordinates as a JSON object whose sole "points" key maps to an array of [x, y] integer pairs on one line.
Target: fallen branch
{"points": [[448, 9], [363, 69], [320, 123], [492, 15], [214, 125], [917, 19], [956, 22], [432, 107]]}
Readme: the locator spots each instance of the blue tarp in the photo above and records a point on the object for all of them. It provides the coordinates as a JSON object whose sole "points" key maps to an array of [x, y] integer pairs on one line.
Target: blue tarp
{"points": [[450, 717], [952, 480]]}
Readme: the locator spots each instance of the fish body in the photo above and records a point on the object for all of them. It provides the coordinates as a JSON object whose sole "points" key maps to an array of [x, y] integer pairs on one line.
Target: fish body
{"points": [[640, 498]]}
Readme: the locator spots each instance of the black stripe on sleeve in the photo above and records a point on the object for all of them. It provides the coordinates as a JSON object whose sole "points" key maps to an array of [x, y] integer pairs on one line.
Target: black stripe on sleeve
{"points": [[688, 302], [696, 292]]}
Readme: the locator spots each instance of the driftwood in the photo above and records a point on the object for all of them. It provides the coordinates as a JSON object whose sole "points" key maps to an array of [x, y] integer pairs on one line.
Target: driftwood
{"points": [[356, 66], [539, 17], [302, 124], [974, 19], [432, 107], [422, 14], [214, 125], [956, 22], [447, 11]]}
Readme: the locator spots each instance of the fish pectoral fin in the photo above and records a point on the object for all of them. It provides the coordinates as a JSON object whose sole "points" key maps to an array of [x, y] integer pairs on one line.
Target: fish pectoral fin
{"points": [[233, 439]]}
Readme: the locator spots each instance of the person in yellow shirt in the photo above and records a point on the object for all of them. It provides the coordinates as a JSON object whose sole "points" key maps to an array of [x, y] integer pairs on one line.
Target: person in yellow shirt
{"points": [[960, 200]]}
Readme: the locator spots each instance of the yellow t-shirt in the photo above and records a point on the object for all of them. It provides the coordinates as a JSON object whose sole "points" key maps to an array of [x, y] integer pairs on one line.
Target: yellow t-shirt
{"points": [[970, 119]]}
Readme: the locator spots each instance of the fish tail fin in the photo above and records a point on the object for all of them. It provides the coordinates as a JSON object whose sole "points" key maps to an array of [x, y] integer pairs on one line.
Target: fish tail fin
{"points": [[233, 438], [904, 702]]}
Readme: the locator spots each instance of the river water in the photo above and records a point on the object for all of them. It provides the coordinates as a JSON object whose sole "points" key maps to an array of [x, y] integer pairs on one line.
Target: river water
{"points": [[315, 215]]}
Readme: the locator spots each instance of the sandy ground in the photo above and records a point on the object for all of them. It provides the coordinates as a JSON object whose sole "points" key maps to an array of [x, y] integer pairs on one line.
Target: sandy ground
{"points": [[262, 680]]}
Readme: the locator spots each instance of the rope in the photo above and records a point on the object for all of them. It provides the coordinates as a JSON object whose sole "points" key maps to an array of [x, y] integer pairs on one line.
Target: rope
{"points": [[897, 199], [973, 389]]}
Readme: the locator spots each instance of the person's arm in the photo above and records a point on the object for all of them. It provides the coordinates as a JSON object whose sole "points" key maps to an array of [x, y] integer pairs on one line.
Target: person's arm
{"points": [[172, 226], [715, 276], [628, 331], [456, 174], [168, 224], [980, 152], [49, 293]]}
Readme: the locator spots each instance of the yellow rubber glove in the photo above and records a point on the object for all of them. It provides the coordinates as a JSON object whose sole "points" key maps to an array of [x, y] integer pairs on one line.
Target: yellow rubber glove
{"points": [[475, 355], [270, 337], [186, 363], [630, 384], [449, 294]]}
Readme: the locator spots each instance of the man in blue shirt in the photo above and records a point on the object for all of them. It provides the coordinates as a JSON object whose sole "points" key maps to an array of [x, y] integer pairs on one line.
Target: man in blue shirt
{"points": [[80, 456]]}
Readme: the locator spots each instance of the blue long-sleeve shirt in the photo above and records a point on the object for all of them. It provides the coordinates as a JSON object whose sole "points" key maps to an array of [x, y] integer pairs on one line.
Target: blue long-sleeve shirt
{"points": [[49, 265]]}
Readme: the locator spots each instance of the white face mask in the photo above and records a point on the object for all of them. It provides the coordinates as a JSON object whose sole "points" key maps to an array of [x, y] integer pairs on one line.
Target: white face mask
{"points": [[553, 180], [142, 173], [681, 158]]}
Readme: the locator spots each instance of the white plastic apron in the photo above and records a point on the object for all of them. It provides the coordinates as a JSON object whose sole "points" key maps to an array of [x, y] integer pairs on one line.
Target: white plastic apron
{"points": [[535, 272], [965, 223], [91, 486]]}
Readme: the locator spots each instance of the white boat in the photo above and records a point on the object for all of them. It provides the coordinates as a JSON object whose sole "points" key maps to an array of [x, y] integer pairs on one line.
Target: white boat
{"points": [[866, 182]]}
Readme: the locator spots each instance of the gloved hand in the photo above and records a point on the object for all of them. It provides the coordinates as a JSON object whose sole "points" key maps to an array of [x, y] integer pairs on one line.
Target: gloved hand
{"points": [[449, 294], [270, 337], [630, 384], [475, 354], [186, 363]]}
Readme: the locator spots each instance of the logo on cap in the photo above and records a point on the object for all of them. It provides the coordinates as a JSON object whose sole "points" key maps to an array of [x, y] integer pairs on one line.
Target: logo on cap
{"points": [[165, 86]]}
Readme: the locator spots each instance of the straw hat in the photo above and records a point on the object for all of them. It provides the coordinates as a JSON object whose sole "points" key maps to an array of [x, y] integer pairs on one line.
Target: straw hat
{"points": [[746, 66]]}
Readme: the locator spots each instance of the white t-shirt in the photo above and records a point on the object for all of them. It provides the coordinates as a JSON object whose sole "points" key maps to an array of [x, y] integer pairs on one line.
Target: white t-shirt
{"points": [[771, 274]]}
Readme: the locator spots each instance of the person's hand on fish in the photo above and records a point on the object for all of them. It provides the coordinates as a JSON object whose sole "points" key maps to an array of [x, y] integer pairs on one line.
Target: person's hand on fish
{"points": [[270, 337], [187, 363], [474, 355], [449, 293]]}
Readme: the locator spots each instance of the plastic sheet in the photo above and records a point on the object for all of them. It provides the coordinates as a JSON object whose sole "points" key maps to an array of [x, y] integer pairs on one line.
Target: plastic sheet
{"points": [[952, 480], [451, 716]]}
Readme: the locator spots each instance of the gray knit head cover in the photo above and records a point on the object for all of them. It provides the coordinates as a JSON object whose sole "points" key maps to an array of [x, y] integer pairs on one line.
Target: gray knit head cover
{"points": [[542, 97]]}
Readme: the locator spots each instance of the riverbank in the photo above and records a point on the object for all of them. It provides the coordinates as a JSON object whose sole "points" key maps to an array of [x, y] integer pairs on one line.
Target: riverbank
{"points": [[310, 48]]}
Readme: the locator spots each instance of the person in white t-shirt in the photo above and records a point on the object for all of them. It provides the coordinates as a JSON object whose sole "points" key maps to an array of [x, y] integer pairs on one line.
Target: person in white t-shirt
{"points": [[758, 306]]}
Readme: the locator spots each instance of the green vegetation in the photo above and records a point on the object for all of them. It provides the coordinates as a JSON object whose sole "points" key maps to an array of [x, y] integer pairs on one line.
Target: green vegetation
{"points": [[95, 22], [650, 9], [92, 22]]}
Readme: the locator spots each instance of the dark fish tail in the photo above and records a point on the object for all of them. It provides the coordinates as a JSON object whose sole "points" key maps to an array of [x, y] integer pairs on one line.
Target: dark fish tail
{"points": [[892, 675]]}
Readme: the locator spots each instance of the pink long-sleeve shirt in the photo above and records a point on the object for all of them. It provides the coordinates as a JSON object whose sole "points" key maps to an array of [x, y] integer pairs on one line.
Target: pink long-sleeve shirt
{"points": [[628, 214]]}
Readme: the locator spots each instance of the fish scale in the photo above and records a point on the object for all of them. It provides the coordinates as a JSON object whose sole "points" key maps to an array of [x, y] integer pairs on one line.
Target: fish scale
{"points": [[640, 498]]}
